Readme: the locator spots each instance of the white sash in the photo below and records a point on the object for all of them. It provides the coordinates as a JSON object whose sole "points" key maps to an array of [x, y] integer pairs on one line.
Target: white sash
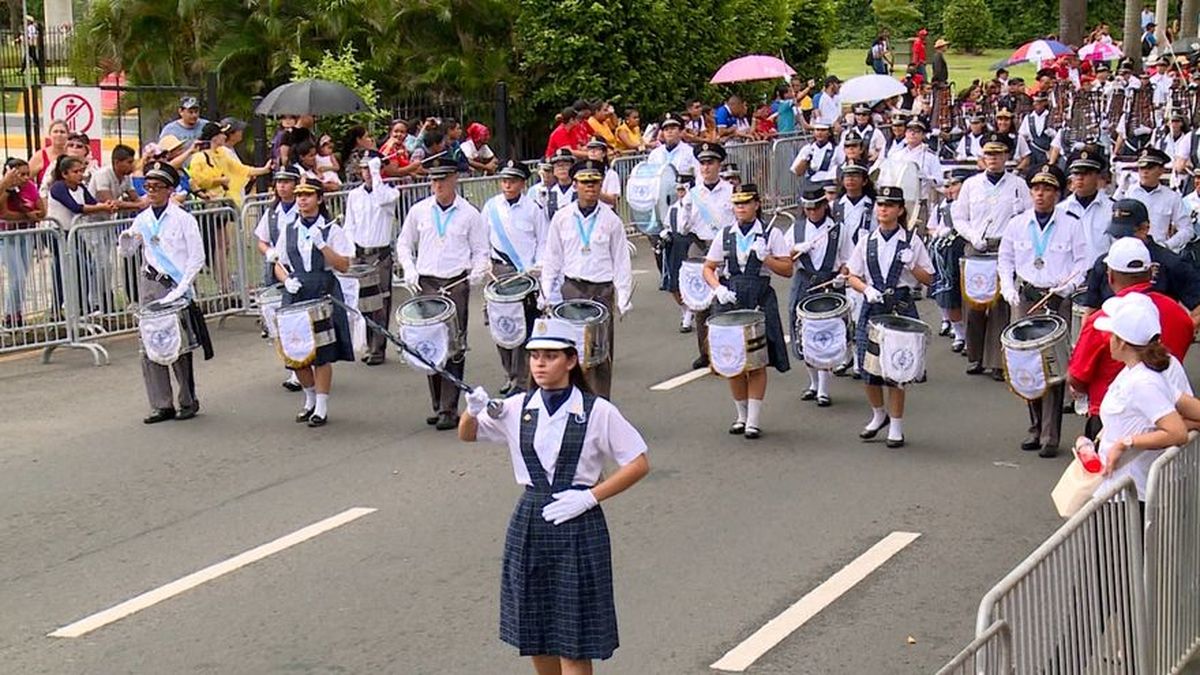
{"points": [[297, 341], [431, 342], [823, 342], [902, 356], [1026, 373], [162, 338], [694, 290], [358, 327], [506, 322], [727, 349], [981, 280]]}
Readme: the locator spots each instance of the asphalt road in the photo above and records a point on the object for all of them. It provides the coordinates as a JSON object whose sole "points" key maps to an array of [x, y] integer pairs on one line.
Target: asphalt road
{"points": [[96, 508]]}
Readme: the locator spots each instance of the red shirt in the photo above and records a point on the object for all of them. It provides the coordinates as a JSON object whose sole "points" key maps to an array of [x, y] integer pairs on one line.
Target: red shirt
{"points": [[1091, 362], [561, 137], [582, 134], [918, 51]]}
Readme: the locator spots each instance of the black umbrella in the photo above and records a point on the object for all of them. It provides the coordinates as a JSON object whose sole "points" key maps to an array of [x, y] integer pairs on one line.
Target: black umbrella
{"points": [[311, 97]]}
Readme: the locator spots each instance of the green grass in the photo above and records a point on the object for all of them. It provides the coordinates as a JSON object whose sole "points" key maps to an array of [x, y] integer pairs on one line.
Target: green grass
{"points": [[847, 63]]}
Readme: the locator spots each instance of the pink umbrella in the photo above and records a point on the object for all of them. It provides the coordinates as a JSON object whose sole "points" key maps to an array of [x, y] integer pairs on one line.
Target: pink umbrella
{"points": [[752, 67], [1099, 51]]}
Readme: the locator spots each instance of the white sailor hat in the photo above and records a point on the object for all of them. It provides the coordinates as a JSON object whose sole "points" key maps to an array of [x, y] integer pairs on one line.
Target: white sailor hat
{"points": [[550, 333]]}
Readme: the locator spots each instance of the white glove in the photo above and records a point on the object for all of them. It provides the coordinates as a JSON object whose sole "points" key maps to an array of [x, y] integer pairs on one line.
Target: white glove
{"points": [[374, 165], [568, 504], [534, 271], [725, 295], [271, 256], [906, 257], [839, 281], [664, 234], [477, 401], [476, 277], [543, 303], [173, 295], [802, 247], [317, 238], [941, 232], [411, 278], [1010, 295], [873, 295], [759, 247], [979, 244], [1064, 290], [625, 307], [292, 284]]}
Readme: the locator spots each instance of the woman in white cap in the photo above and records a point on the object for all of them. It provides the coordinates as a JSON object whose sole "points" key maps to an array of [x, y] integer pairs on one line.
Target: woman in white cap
{"points": [[1138, 412], [556, 590]]}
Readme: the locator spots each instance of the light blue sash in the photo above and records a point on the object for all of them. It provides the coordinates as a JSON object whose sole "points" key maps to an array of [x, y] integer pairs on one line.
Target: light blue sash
{"points": [[506, 244], [151, 241]]}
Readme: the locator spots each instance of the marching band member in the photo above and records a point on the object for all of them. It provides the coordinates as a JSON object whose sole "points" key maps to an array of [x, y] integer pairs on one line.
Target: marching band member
{"points": [[820, 247], [946, 252], [673, 150], [730, 173], [610, 187], [855, 211], [370, 217], [750, 251], [311, 249], [916, 151], [906, 261], [873, 142], [562, 192], [1087, 203], [541, 191], [587, 251], [677, 241], [1018, 147], [971, 145], [851, 150], [280, 214], [981, 213], [1170, 222], [896, 130], [556, 590], [452, 254], [1176, 141], [172, 255], [1036, 131], [817, 162], [518, 234], [1043, 251], [710, 212]]}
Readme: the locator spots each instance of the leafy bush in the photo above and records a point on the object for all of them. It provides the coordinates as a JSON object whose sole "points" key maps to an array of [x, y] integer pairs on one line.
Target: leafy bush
{"points": [[967, 24]]}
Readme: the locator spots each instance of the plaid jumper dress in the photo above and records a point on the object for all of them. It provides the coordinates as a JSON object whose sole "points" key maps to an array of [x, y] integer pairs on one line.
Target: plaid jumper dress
{"points": [[896, 300], [809, 275], [754, 291], [556, 593]]}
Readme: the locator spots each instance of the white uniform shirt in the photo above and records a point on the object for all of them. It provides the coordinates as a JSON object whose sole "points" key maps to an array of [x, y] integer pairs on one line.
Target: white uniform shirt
{"points": [[609, 436], [524, 224], [1135, 400], [682, 157], [538, 194], [1064, 258], [262, 231], [336, 239], [611, 184], [874, 148], [463, 248], [776, 246], [858, 216], [817, 156], [1034, 124], [829, 109], [1093, 221], [710, 210], [982, 210], [563, 195], [887, 251], [1176, 148], [928, 164], [605, 260], [179, 240], [971, 146], [818, 233], [371, 216], [1167, 213]]}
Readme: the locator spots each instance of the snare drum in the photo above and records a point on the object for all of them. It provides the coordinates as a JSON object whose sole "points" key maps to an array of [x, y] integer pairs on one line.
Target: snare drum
{"points": [[304, 327], [822, 322], [1078, 313], [896, 347], [166, 331], [979, 277], [737, 342], [429, 326], [591, 319], [370, 295], [508, 300], [269, 299], [693, 289], [1035, 354]]}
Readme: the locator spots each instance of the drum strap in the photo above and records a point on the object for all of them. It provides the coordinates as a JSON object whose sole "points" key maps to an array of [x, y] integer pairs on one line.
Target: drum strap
{"points": [[831, 246], [729, 242], [569, 452], [508, 250], [150, 237], [893, 275], [316, 258], [551, 202], [825, 161]]}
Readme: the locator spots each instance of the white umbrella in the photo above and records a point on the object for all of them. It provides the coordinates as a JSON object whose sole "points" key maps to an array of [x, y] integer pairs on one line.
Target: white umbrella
{"points": [[865, 88]]}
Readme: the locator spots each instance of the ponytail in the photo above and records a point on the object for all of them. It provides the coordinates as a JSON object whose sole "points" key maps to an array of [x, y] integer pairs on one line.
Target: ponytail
{"points": [[1155, 355]]}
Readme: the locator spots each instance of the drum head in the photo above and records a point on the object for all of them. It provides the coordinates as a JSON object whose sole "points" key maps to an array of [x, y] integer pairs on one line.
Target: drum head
{"points": [[1036, 328], [421, 310], [737, 317], [900, 323], [512, 286], [157, 307], [360, 270], [825, 303], [579, 311]]}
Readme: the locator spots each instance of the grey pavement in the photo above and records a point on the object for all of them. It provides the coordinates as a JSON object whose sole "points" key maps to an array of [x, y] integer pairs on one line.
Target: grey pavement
{"points": [[723, 535]]}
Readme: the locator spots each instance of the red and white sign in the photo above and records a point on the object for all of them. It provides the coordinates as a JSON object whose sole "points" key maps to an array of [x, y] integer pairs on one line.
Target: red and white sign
{"points": [[79, 107]]}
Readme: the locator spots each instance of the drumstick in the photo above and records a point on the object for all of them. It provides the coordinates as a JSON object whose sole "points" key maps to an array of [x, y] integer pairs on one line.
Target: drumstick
{"points": [[445, 290], [827, 283], [823, 233], [1040, 303], [493, 406]]}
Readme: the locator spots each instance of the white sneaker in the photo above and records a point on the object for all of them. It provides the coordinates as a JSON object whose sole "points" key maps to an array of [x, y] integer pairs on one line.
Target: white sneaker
{"points": [[686, 319]]}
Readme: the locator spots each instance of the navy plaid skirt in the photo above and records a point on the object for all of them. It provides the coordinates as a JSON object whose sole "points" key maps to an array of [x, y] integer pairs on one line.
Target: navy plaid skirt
{"points": [[556, 591]]}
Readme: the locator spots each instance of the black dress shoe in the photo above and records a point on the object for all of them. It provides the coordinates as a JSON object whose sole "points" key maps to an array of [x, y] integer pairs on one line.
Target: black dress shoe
{"points": [[374, 360], [446, 421], [841, 370], [975, 369], [159, 415], [945, 329], [856, 375], [317, 421], [683, 328], [868, 433], [304, 415], [824, 402], [998, 374], [895, 442], [700, 362], [188, 412], [753, 432], [291, 386], [1032, 443], [431, 420], [957, 346], [1048, 451], [737, 428], [808, 395]]}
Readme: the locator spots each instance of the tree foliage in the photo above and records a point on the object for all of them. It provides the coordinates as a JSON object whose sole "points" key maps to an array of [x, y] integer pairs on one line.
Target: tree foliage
{"points": [[898, 16], [967, 24]]}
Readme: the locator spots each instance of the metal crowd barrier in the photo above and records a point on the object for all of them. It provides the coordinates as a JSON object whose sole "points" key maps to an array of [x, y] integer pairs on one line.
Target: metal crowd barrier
{"points": [[988, 654], [623, 165], [1173, 558], [783, 185]]}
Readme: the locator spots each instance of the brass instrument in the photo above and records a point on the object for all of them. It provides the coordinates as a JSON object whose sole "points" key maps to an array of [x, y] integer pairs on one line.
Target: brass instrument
{"points": [[1024, 106], [1062, 98], [1180, 100], [941, 107], [1115, 109], [1085, 120]]}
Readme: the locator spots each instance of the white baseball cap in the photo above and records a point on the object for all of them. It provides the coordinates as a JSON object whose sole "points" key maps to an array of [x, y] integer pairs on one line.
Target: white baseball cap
{"points": [[1131, 317], [1128, 254], [549, 333]]}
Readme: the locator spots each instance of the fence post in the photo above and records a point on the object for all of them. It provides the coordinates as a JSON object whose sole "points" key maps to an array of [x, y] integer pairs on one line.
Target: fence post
{"points": [[502, 120], [258, 132]]}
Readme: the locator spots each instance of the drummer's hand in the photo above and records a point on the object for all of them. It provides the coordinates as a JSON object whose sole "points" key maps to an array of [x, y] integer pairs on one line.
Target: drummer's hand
{"points": [[271, 256], [625, 307], [873, 295], [665, 234], [1010, 296], [1064, 290], [173, 295], [760, 248], [318, 239], [476, 277], [293, 285], [839, 281], [534, 271], [725, 295], [477, 401], [907, 256], [802, 247], [542, 303]]}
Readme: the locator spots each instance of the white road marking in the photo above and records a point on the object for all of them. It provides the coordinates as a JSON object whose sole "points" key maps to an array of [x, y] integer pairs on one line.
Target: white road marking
{"points": [[641, 271], [745, 654], [680, 380], [150, 598]]}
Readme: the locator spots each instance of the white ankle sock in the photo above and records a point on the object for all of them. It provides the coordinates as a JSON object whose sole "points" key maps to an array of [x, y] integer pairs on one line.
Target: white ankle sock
{"points": [[310, 398], [741, 410], [823, 382], [685, 317], [322, 409], [292, 379], [753, 409], [877, 415], [960, 330], [812, 376], [896, 429]]}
